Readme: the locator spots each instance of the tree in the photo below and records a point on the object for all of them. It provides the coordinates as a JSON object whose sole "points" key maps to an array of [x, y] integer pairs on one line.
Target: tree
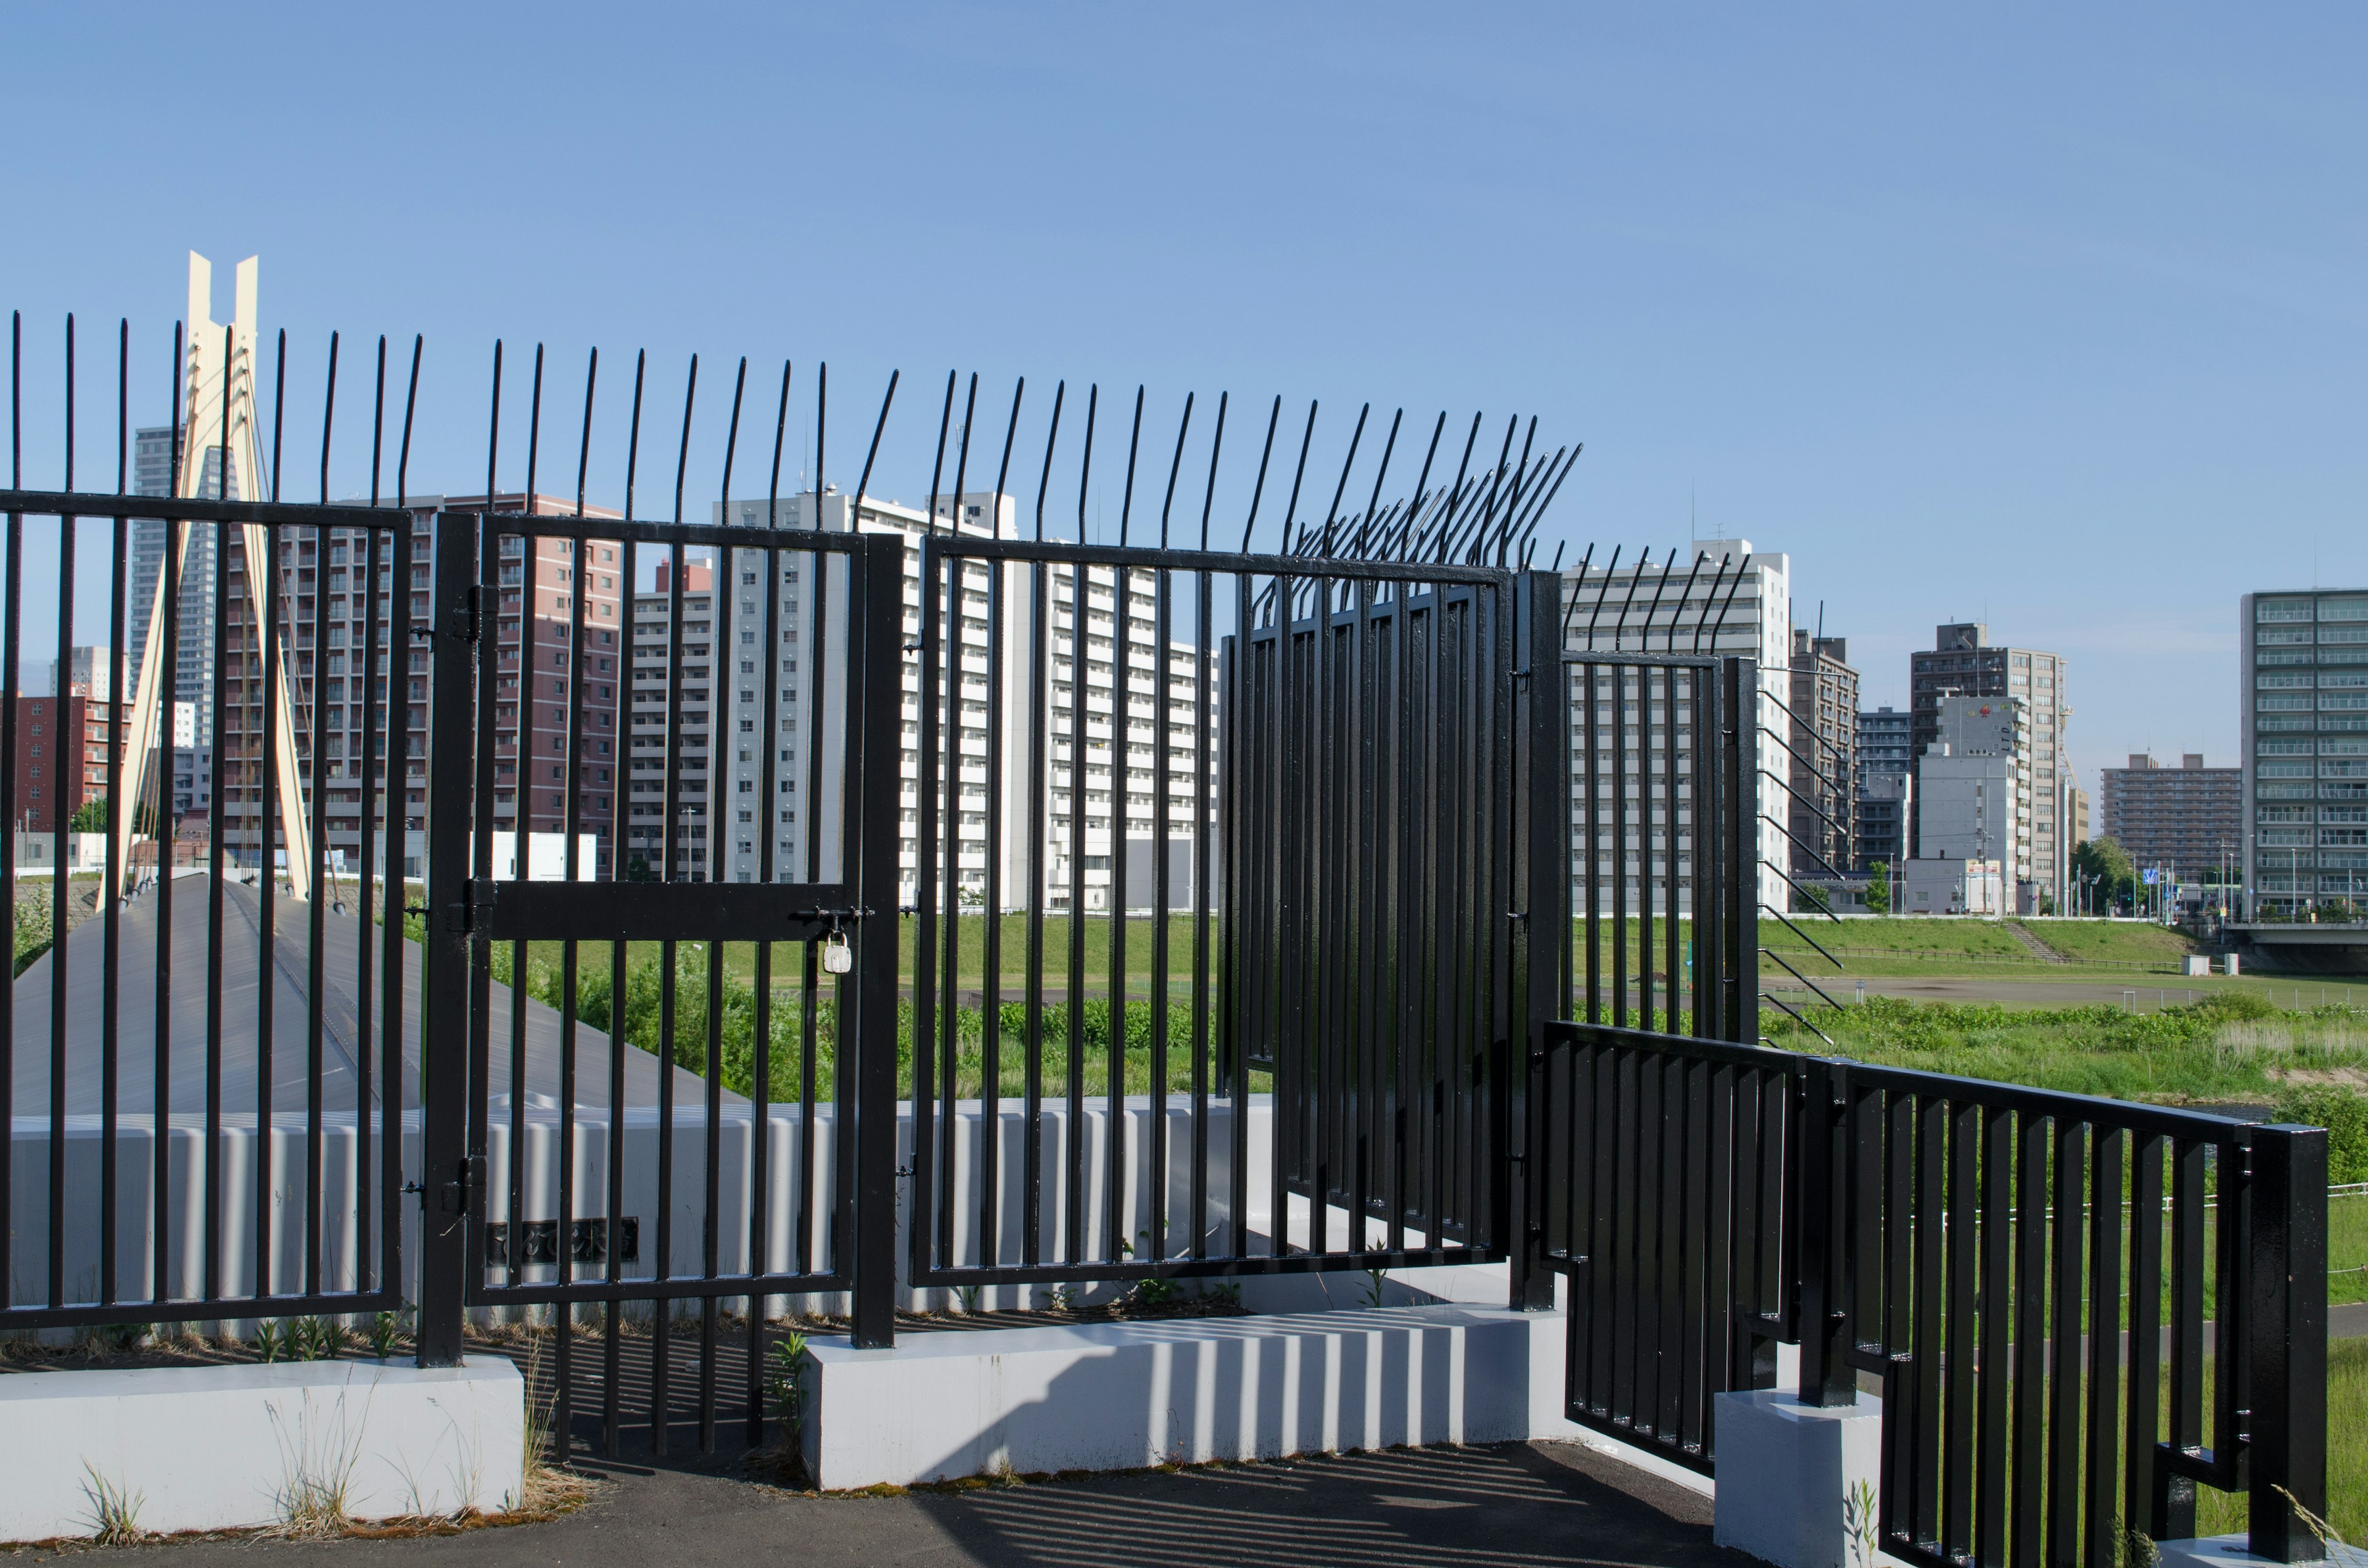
{"points": [[2107, 864], [90, 817], [1878, 888]]}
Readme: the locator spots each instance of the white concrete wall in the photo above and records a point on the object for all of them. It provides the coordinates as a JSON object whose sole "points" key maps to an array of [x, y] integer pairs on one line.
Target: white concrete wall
{"points": [[790, 1155], [222, 1448], [1109, 1396]]}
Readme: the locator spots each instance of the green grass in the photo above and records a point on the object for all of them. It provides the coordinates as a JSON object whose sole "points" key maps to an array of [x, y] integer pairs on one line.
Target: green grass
{"points": [[2225, 1513], [2113, 941]]}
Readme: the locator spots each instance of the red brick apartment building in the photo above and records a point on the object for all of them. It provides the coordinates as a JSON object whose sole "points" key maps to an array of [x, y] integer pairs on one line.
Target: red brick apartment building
{"points": [[62, 755]]}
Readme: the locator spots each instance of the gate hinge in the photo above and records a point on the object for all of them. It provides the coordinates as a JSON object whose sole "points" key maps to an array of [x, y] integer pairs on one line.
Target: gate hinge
{"points": [[465, 1193], [468, 616]]}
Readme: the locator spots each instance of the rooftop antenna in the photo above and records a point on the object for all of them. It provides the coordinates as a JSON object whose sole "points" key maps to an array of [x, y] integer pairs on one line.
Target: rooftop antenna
{"points": [[1821, 620]]}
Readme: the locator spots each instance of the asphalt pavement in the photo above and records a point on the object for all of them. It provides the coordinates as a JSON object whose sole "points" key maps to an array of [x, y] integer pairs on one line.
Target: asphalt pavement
{"points": [[1501, 1506]]}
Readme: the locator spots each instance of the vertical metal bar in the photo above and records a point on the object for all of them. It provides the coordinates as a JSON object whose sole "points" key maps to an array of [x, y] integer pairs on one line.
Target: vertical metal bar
{"points": [[1540, 807], [9, 684], [2142, 1424], [1826, 1327], [1115, 1240], [1672, 924], [760, 1121], [629, 738], [1741, 963], [263, 592], [2171, 1508], [990, 1164], [1619, 844], [1644, 835], [1163, 638], [1592, 846], [2104, 1534], [361, 580], [2028, 1479], [445, 1167], [1928, 1340], [2287, 1458], [118, 709], [171, 570], [2062, 1495], [875, 639], [217, 850], [316, 968], [1040, 613], [1281, 840], [1248, 796], [1995, 1286], [70, 775]]}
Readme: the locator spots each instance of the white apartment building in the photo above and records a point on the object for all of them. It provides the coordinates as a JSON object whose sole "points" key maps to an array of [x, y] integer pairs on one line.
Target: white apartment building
{"points": [[1727, 600], [1120, 754]]}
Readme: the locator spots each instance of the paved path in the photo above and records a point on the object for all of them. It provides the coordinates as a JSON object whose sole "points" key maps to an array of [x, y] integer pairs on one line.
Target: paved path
{"points": [[1492, 1508]]}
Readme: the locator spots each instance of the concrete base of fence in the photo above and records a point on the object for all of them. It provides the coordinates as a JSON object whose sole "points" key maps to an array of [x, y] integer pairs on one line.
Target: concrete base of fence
{"points": [[1785, 1469], [2228, 1551], [222, 1448], [1119, 1396]]}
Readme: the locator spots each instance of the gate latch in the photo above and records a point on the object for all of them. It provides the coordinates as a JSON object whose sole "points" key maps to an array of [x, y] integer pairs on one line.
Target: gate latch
{"points": [[465, 1194]]}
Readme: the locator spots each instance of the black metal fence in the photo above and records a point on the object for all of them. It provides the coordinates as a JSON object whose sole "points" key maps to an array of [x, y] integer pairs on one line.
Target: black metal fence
{"points": [[2078, 1310], [653, 998], [206, 1082]]}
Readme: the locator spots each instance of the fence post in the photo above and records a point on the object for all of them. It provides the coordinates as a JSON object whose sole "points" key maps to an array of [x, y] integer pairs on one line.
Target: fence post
{"points": [[875, 637], [1540, 905], [2287, 1275], [1823, 1328], [1740, 721], [446, 1185]]}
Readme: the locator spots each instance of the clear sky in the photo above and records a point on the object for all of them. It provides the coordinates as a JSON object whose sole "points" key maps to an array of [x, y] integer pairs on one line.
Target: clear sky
{"points": [[2051, 316]]}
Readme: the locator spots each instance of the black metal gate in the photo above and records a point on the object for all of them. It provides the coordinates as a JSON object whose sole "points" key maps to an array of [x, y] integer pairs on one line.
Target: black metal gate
{"points": [[599, 1175], [1253, 823]]}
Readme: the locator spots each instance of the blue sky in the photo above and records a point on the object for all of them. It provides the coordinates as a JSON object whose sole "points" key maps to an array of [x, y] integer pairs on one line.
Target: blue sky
{"points": [[2052, 319]]}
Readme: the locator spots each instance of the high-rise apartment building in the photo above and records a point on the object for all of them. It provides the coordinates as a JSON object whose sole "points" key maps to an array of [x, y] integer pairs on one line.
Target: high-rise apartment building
{"points": [[1728, 600], [1120, 751], [1886, 788], [190, 662], [2304, 659], [1824, 758], [2181, 820], [538, 674], [1964, 663], [1886, 740]]}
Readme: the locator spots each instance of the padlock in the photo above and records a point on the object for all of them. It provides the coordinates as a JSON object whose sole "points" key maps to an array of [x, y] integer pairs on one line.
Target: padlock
{"points": [[837, 958]]}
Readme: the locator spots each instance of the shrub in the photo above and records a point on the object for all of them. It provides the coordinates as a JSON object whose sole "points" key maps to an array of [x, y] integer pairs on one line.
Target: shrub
{"points": [[2345, 1116]]}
